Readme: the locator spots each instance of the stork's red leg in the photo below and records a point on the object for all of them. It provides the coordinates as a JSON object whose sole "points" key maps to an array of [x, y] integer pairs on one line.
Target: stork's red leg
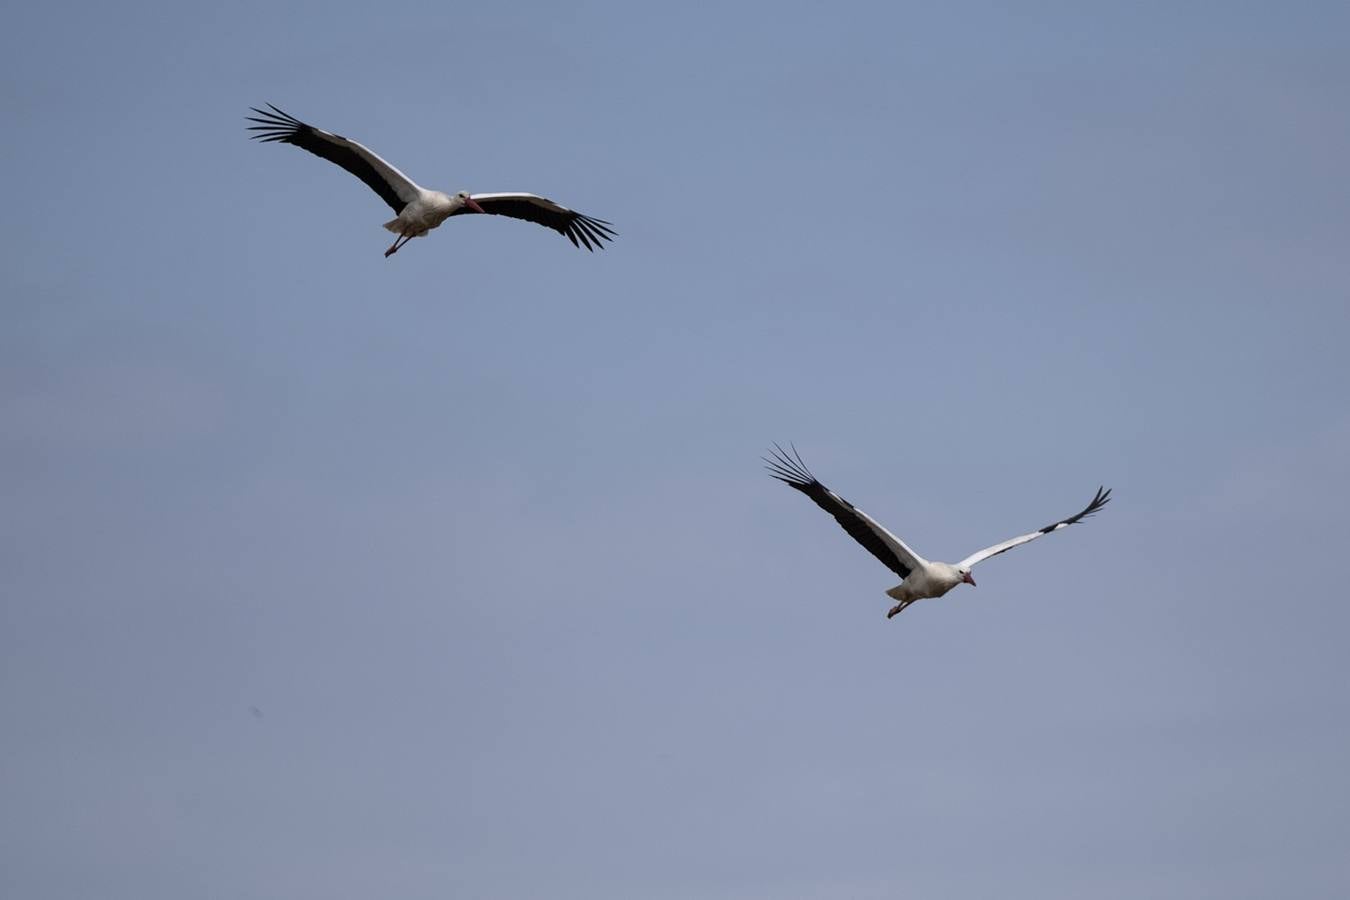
{"points": [[394, 248], [897, 609]]}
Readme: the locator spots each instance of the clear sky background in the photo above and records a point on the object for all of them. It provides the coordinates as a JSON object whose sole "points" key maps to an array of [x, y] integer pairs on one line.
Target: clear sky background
{"points": [[456, 574]]}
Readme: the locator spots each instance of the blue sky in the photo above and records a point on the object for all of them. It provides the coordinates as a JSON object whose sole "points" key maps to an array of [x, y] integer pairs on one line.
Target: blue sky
{"points": [[480, 531]]}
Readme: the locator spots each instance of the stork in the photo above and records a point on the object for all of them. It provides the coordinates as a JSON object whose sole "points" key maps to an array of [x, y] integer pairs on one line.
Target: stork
{"points": [[921, 579], [417, 209]]}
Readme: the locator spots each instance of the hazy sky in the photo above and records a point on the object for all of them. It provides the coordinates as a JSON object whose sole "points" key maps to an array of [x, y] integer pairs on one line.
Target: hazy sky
{"points": [[456, 575]]}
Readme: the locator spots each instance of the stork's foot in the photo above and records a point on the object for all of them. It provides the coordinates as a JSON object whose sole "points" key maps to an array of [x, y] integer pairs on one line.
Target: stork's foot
{"points": [[390, 252], [897, 609]]}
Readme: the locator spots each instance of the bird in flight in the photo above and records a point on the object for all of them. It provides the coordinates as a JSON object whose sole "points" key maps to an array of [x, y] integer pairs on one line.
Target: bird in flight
{"points": [[417, 209], [921, 579]]}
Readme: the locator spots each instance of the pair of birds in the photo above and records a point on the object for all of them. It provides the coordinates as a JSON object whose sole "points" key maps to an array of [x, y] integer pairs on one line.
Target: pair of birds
{"points": [[418, 210]]}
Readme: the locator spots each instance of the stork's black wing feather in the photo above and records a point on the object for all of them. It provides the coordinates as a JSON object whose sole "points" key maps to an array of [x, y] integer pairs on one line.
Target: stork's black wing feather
{"points": [[1102, 498]]}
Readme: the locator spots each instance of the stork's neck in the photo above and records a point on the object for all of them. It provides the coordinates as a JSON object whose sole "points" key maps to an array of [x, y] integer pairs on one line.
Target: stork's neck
{"points": [[946, 573]]}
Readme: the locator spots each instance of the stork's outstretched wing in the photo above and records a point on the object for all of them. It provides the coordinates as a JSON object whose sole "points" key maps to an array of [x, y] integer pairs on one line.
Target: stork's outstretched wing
{"points": [[885, 546], [1103, 497], [394, 188], [591, 233]]}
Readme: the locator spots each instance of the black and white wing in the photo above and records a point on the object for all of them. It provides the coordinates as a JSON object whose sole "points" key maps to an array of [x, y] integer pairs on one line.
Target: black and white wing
{"points": [[394, 188], [861, 527], [1103, 497], [571, 224]]}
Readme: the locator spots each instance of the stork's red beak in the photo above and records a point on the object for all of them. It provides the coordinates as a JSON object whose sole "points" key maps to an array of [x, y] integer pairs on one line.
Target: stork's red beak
{"points": [[472, 204], [968, 580]]}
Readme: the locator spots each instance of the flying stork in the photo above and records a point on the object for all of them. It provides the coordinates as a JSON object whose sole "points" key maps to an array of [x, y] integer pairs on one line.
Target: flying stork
{"points": [[418, 209], [922, 579]]}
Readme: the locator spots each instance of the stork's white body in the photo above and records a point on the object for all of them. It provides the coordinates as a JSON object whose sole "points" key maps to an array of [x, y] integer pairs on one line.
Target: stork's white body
{"points": [[929, 580], [429, 210]]}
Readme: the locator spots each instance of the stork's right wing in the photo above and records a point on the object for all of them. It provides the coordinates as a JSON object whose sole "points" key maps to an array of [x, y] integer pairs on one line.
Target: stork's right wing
{"points": [[888, 548], [394, 188]]}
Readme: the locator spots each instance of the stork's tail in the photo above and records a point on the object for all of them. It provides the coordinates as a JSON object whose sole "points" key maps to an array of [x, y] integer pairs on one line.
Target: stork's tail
{"points": [[394, 225]]}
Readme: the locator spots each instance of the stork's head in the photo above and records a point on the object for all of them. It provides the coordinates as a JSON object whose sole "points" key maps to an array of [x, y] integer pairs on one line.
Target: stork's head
{"points": [[464, 199], [965, 576]]}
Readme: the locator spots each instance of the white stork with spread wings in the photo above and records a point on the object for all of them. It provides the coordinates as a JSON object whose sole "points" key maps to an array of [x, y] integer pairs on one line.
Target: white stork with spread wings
{"points": [[922, 579], [418, 209]]}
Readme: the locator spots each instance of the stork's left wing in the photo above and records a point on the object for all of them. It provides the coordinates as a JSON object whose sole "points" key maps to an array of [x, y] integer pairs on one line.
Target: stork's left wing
{"points": [[1102, 498], [570, 224]]}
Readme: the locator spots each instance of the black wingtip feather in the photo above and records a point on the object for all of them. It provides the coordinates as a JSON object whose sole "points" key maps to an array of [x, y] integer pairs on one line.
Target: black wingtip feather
{"points": [[274, 126], [285, 115], [1099, 500], [789, 469], [591, 231]]}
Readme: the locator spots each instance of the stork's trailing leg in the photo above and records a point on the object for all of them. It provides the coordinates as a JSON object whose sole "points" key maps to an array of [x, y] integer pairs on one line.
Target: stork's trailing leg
{"points": [[898, 608], [404, 238]]}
